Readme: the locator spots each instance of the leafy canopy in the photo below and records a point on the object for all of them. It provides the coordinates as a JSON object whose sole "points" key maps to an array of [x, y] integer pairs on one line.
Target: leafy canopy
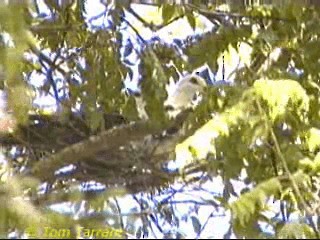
{"points": [[261, 128]]}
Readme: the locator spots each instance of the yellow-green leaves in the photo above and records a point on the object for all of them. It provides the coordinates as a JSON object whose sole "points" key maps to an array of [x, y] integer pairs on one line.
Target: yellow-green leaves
{"points": [[19, 96], [311, 167], [283, 96], [168, 11], [202, 141], [296, 230], [313, 139], [253, 201], [242, 125], [191, 19], [171, 12], [233, 57], [153, 87]]}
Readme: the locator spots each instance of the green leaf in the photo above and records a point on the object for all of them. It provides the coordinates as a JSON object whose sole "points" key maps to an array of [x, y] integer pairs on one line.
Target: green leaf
{"points": [[168, 11], [192, 20], [283, 96], [313, 139], [296, 230], [245, 208]]}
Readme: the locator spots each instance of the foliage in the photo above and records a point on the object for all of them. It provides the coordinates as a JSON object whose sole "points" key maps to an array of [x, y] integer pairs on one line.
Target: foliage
{"points": [[260, 127]]}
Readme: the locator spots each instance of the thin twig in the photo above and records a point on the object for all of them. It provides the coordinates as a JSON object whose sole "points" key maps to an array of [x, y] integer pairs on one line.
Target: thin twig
{"points": [[152, 26], [283, 160], [204, 225], [46, 59], [135, 30], [119, 211], [218, 15]]}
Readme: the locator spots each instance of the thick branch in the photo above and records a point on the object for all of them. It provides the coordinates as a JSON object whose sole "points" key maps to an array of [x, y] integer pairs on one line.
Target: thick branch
{"points": [[111, 139], [114, 152]]}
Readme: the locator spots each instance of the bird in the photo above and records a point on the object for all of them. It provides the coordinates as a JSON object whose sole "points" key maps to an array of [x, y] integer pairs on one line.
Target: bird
{"points": [[184, 94]]}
